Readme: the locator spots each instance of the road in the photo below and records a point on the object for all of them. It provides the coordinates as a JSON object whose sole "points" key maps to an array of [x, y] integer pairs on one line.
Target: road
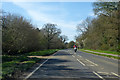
{"points": [[68, 65]]}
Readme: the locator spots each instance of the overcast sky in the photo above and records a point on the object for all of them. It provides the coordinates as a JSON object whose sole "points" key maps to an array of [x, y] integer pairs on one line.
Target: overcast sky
{"points": [[65, 14]]}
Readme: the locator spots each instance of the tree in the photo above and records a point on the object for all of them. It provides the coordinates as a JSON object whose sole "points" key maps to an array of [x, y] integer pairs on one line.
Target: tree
{"points": [[85, 29], [71, 44], [50, 32], [106, 8], [102, 31], [63, 38], [18, 35]]}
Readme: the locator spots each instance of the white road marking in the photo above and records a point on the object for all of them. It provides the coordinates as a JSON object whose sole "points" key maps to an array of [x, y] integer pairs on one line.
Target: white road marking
{"points": [[92, 62], [79, 56], [91, 65], [73, 56], [115, 74], [81, 62], [74, 53], [103, 72], [98, 75], [37, 68], [70, 52]]}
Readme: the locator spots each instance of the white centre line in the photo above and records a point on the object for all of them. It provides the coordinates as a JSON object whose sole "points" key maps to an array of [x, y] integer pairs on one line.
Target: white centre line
{"points": [[103, 72], [98, 75], [92, 62], [79, 56], [115, 74], [73, 56], [81, 62]]}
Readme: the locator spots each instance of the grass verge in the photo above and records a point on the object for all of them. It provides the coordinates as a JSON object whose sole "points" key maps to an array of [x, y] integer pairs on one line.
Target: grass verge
{"points": [[109, 52], [42, 53], [12, 65]]}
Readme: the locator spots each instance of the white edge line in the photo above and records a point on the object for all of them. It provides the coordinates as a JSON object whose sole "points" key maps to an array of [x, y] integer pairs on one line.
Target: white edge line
{"points": [[37, 68], [115, 74], [98, 75], [81, 62]]}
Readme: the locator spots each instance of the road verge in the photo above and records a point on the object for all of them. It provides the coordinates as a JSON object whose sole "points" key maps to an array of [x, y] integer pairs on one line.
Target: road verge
{"points": [[15, 65], [113, 55]]}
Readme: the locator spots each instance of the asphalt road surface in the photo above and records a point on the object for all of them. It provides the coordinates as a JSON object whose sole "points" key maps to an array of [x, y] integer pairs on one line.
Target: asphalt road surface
{"points": [[68, 65]]}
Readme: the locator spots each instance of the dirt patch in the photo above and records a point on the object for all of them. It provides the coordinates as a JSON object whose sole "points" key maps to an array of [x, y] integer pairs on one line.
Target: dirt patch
{"points": [[46, 57], [41, 57]]}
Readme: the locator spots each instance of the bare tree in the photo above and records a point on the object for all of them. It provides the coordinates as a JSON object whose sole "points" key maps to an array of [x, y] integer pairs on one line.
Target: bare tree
{"points": [[50, 31], [85, 25], [63, 38]]}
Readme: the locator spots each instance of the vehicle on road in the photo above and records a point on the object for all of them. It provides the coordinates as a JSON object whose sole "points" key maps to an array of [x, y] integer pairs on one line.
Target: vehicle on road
{"points": [[75, 48]]}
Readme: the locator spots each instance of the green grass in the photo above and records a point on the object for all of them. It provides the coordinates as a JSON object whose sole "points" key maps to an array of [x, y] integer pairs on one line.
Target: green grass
{"points": [[19, 63], [42, 53], [109, 52]]}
